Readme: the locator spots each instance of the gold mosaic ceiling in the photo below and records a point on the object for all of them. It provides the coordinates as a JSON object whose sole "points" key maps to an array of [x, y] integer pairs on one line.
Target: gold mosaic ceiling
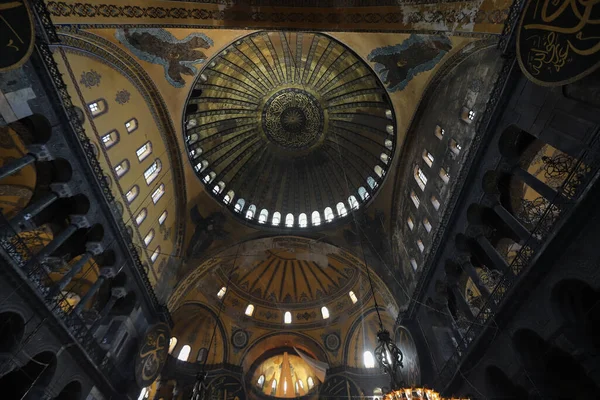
{"points": [[290, 123]]}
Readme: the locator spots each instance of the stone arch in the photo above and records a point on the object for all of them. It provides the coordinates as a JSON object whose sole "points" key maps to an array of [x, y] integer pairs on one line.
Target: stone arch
{"points": [[31, 380], [499, 385], [71, 391], [12, 328]]}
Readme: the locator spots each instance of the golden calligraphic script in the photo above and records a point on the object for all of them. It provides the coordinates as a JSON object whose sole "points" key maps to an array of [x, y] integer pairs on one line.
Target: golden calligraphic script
{"points": [[16, 34], [558, 41], [152, 354]]}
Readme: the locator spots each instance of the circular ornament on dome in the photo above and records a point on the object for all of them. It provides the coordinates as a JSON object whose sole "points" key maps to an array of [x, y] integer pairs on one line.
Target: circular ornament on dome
{"points": [[332, 342], [289, 129], [239, 339]]}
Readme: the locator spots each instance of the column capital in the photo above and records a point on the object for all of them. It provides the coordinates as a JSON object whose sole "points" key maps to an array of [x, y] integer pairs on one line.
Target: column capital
{"points": [[118, 292], [109, 272], [61, 189], [40, 151], [80, 221], [94, 247]]}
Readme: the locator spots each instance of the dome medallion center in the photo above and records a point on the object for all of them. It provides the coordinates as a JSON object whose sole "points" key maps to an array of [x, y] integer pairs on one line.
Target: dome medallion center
{"points": [[293, 119]]}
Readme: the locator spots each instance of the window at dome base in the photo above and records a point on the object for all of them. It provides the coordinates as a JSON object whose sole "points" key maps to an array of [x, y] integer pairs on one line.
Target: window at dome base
{"points": [[289, 143], [368, 359]]}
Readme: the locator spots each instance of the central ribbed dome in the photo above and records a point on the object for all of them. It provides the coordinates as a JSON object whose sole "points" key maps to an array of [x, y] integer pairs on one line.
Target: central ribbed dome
{"points": [[289, 129]]}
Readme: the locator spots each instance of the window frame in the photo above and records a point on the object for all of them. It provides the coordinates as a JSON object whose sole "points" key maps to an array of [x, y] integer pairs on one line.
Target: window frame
{"points": [[112, 142], [161, 192], [151, 177], [101, 111], [136, 125], [146, 153], [119, 165]]}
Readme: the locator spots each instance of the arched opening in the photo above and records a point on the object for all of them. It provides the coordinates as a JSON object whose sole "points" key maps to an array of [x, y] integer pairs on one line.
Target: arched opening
{"points": [[316, 218], [12, 328], [31, 379], [263, 216], [302, 220], [500, 386], [289, 220], [72, 391], [184, 353]]}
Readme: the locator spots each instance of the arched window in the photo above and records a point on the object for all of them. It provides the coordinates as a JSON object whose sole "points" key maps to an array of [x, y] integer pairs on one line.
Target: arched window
{"points": [[144, 394], [301, 384], [328, 214], [251, 211], [276, 218], [368, 359], [384, 158], [263, 216], [435, 202], [353, 202], [261, 381], [311, 382], [218, 188], [131, 125], [144, 151], [208, 178], [379, 171], [192, 122], [410, 223], [420, 245], [362, 192], [162, 218], [324, 312], [273, 387], [184, 353], [149, 237], [388, 114], [98, 107], [239, 206], [155, 254], [152, 172], [341, 209], [427, 224], [201, 356], [172, 344], [444, 175], [467, 115], [420, 177], [371, 182], [221, 292], [141, 216], [201, 166], [352, 297], [284, 386], [287, 317], [228, 197], [297, 389], [315, 218], [302, 220], [289, 220], [439, 132], [110, 139], [122, 168], [415, 199], [454, 146], [132, 193], [158, 193], [388, 144], [249, 310], [428, 158], [413, 262], [196, 151], [390, 129]]}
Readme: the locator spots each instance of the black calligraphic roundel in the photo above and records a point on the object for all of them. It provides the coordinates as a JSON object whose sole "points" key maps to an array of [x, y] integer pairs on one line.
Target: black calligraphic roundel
{"points": [[558, 41], [152, 354], [16, 33]]}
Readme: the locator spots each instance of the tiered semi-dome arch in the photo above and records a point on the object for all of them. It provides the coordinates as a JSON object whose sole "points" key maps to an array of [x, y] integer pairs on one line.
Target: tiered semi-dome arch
{"points": [[289, 123]]}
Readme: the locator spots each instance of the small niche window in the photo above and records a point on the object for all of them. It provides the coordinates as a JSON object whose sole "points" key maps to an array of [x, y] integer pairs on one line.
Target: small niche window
{"points": [[122, 168], [132, 194], [315, 218], [371, 182], [302, 220], [202, 353], [311, 382], [218, 188], [427, 225], [284, 386], [144, 151], [195, 152], [384, 158], [388, 114], [444, 175], [172, 344], [239, 206], [341, 209], [467, 115], [184, 353], [420, 177], [162, 218], [263, 216], [221, 292], [158, 193], [249, 310], [152, 172], [131, 125], [368, 359], [228, 197], [324, 312], [141, 216], [388, 144], [149, 237], [428, 158], [201, 166], [353, 203], [439, 132], [435, 202], [454, 146], [413, 263], [352, 297], [287, 317], [208, 178], [273, 387], [389, 129], [97, 107], [289, 220], [420, 245], [328, 214], [155, 254], [379, 171], [261, 381], [410, 223], [301, 384], [144, 394], [415, 199], [251, 211], [110, 139], [276, 218], [362, 192]]}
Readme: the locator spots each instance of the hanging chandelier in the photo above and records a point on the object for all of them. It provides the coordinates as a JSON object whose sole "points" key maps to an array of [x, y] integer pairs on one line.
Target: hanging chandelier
{"points": [[417, 394], [388, 356]]}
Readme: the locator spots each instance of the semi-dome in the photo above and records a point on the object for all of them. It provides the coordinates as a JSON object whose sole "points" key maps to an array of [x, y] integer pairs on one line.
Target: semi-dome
{"points": [[289, 129]]}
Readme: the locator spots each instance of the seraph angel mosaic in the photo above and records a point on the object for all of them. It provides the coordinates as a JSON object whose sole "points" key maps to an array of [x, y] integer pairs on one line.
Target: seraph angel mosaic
{"points": [[397, 65], [158, 46]]}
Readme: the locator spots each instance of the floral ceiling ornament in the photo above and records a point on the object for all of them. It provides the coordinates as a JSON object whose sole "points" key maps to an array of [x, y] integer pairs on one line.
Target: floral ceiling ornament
{"points": [[122, 96], [90, 79]]}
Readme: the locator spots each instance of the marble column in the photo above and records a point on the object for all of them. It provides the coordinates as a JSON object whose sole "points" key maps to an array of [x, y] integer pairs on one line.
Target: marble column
{"points": [[66, 279], [32, 210], [16, 165], [537, 185], [90, 293], [497, 260], [513, 223]]}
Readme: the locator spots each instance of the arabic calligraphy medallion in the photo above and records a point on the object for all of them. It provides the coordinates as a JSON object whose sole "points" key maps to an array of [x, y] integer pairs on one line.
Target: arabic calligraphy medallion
{"points": [[16, 33], [558, 41], [152, 354]]}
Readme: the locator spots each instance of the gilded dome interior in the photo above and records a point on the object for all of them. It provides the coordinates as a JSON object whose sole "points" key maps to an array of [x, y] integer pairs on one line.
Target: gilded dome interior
{"points": [[289, 129]]}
